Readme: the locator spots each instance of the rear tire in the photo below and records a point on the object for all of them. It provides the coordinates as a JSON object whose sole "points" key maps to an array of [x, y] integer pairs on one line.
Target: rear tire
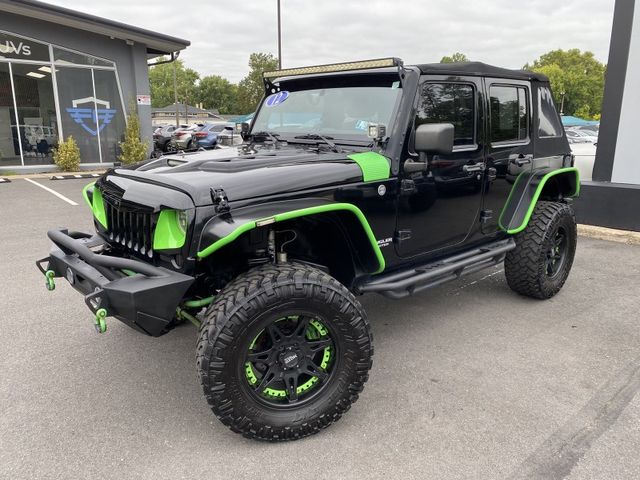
{"points": [[540, 264], [243, 356]]}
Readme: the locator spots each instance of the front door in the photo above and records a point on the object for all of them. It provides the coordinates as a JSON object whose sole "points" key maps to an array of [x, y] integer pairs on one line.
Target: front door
{"points": [[439, 207]]}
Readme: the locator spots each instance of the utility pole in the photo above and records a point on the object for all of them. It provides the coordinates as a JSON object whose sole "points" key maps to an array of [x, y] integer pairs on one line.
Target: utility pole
{"points": [[562, 103], [175, 93], [279, 39]]}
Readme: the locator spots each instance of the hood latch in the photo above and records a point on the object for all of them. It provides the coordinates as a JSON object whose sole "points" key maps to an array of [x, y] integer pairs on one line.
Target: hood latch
{"points": [[220, 200]]}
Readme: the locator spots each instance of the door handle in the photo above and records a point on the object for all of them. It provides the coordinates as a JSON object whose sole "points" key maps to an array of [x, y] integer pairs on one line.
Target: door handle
{"points": [[521, 160], [473, 168]]}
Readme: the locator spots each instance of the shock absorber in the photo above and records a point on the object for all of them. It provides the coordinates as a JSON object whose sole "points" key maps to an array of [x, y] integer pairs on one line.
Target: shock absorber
{"points": [[271, 245]]}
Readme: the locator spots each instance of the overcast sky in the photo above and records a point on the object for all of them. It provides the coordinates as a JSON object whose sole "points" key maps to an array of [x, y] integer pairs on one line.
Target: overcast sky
{"points": [[507, 33]]}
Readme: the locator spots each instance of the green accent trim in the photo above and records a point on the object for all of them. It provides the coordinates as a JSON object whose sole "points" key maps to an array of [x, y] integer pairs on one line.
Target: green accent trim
{"points": [[98, 207], [51, 284], [373, 165], [85, 195], [169, 234], [101, 324], [199, 303], [536, 195], [129, 273], [303, 212], [183, 315]]}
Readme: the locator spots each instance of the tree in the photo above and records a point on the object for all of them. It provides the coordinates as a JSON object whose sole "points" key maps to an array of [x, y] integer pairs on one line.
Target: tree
{"points": [[579, 75], [456, 57], [219, 93], [251, 87], [133, 149], [161, 81], [67, 155]]}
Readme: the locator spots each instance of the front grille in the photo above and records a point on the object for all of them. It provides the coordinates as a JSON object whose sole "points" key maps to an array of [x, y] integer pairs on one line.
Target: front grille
{"points": [[129, 225]]}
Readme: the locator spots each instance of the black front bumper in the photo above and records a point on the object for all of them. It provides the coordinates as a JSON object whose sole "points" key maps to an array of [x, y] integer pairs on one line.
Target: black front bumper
{"points": [[146, 298]]}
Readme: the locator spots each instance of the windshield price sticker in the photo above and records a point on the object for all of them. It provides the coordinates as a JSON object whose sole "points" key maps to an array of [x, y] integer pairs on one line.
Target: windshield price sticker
{"points": [[276, 98]]}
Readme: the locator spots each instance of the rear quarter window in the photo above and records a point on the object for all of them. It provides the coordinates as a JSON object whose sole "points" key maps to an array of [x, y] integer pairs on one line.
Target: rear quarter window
{"points": [[548, 121]]}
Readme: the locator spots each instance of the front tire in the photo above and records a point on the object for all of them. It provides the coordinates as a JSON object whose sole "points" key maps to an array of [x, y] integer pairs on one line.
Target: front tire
{"points": [[283, 352], [540, 264]]}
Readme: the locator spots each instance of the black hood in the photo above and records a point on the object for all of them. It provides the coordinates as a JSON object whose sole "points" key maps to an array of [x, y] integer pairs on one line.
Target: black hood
{"points": [[245, 173]]}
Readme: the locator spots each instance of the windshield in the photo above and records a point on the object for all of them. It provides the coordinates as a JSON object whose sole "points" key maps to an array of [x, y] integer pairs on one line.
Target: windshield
{"points": [[342, 110]]}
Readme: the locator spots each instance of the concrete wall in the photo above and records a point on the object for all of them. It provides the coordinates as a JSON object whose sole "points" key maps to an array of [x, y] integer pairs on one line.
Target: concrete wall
{"points": [[130, 60]]}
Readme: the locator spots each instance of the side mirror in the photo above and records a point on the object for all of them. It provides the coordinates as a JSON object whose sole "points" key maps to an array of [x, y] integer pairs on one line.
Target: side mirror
{"points": [[435, 138]]}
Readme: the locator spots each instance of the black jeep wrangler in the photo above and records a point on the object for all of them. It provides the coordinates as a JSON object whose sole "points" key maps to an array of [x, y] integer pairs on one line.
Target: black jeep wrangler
{"points": [[352, 178]]}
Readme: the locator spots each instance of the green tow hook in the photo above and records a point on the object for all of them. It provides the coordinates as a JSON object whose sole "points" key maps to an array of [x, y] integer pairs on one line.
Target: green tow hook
{"points": [[51, 284], [101, 323]]}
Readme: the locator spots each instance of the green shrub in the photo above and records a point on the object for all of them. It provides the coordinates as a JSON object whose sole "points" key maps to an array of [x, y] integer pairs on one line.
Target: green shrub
{"points": [[133, 149], [67, 155]]}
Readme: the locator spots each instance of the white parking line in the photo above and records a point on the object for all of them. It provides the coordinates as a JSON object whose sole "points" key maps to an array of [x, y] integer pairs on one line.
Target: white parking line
{"points": [[59, 195]]}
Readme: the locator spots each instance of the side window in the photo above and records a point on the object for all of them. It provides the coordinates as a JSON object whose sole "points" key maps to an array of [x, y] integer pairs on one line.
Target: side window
{"points": [[449, 103], [548, 123], [509, 114]]}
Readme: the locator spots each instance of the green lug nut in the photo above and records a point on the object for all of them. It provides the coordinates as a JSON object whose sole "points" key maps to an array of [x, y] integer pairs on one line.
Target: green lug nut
{"points": [[101, 323], [51, 284]]}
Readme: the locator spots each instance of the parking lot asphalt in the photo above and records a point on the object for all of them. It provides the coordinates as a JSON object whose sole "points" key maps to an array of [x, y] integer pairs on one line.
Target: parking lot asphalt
{"points": [[469, 381]]}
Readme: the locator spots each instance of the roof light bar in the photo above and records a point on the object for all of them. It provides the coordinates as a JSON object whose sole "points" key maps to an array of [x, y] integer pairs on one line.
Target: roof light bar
{"points": [[335, 67]]}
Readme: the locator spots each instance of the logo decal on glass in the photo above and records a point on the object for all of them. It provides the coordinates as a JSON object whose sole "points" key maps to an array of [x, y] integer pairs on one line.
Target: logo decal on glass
{"points": [[276, 98], [100, 116]]}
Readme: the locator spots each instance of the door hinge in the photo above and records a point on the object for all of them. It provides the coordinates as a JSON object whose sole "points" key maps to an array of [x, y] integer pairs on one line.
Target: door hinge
{"points": [[402, 235], [485, 216], [220, 200], [407, 187]]}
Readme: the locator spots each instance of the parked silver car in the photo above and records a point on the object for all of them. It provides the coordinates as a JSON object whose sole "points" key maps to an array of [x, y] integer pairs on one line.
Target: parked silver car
{"points": [[183, 139]]}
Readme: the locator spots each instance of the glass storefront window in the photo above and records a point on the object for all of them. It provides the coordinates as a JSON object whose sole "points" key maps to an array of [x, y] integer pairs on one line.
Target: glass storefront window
{"points": [[9, 146], [14, 47], [34, 116], [111, 118], [62, 56], [38, 124], [78, 110]]}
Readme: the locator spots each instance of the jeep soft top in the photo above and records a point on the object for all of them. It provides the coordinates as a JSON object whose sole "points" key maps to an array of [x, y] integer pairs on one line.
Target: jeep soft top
{"points": [[361, 177]]}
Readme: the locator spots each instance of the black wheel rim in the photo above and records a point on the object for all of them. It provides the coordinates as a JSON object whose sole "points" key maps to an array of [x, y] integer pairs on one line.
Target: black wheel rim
{"points": [[290, 361], [557, 253]]}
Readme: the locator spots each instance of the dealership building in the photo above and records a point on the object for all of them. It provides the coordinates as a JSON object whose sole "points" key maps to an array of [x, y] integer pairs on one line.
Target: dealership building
{"points": [[65, 73]]}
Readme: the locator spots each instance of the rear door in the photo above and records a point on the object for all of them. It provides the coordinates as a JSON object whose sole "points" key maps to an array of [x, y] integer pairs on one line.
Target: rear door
{"points": [[510, 145]]}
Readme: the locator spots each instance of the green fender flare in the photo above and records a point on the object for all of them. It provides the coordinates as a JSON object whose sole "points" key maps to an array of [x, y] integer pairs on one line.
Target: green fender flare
{"points": [[303, 212], [524, 196]]}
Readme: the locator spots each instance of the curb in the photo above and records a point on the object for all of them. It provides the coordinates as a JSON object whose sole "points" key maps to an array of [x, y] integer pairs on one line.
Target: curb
{"points": [[51, 175], [74, 176], [601, 233]]}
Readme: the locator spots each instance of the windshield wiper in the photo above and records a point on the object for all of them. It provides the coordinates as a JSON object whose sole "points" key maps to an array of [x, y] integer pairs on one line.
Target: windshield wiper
{"points": [[274, 137], [316, 136]]}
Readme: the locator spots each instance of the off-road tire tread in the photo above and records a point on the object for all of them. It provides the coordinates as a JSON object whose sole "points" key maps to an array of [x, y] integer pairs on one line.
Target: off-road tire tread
{"points": [[524, 266], [225, 318]]}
